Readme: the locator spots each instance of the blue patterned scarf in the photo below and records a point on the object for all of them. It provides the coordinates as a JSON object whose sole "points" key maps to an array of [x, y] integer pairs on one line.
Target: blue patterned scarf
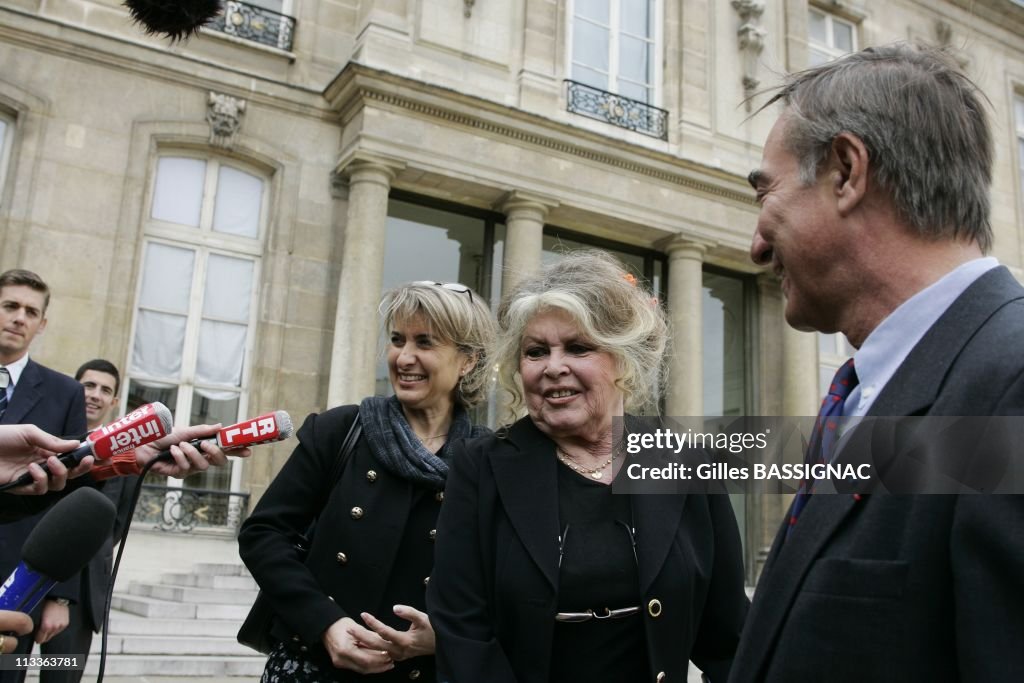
{"points": [[399, 449]]}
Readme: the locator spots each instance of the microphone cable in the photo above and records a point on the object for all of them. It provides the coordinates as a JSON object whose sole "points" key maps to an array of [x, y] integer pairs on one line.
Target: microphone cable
{"points": [[136, 493]]}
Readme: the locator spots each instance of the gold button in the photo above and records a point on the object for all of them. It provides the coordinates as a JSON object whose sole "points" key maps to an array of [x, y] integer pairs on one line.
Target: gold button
{"points": [[654, 608], [433, 534], [426, 581], [357, 513], [661, 677], [439, 496], [371, 476], [303, 648], [342, 558], [296, 638], [414, 674], [331, 598]]}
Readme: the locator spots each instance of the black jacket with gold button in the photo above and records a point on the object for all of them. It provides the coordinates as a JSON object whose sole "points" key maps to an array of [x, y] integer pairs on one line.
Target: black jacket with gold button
{"points": [[351, 562], [494, 591]]}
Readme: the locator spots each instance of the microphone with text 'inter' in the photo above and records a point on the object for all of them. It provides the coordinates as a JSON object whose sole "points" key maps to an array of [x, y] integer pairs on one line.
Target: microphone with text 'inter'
{"points": [[276, 426], [145, 424], [59, 546]]}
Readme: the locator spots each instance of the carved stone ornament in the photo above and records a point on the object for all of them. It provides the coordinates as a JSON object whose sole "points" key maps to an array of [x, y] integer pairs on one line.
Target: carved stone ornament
{"points": [[467, 10], [751, 37], [224, 114]]}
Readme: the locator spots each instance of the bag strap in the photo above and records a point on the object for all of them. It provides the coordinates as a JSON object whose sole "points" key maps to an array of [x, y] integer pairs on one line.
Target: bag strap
{"points": [[345, 452]]}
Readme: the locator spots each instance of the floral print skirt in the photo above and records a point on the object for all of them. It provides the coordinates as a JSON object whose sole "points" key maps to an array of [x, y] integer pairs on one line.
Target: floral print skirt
{"points": [[284, 665]]}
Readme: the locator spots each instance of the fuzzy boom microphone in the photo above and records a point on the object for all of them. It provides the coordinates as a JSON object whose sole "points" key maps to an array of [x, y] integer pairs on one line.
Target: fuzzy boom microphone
{"points": [[176, 19]]}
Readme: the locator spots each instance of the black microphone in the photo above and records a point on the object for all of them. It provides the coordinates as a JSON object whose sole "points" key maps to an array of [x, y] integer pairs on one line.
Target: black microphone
{"points": [[63, 542]]}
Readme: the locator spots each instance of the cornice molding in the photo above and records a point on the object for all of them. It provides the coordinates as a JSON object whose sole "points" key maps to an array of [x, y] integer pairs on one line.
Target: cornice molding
{"points": [[358, 85]]}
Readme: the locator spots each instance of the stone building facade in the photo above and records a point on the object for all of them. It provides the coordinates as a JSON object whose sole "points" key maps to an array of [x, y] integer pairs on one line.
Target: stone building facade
{"points": [[219, 216]]}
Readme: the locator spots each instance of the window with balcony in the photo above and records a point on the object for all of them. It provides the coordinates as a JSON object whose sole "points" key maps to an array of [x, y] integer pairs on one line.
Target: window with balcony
{"points": [[614, 58], [266, 22]]}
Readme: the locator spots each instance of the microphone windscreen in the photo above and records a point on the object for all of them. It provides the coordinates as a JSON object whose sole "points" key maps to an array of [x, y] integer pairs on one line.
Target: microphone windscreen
{"points": [[163, 413], [284, 424], [69, 534], [175, 19]]}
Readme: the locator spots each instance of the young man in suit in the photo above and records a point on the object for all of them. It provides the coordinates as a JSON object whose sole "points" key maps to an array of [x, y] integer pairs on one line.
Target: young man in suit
{"points": [[33, 394], [101, 383], [874, 195]]}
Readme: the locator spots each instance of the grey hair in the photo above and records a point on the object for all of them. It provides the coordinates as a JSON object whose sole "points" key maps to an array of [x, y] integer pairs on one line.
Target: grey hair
{"points": [[458, 318], [923, 124], [612, 310]]}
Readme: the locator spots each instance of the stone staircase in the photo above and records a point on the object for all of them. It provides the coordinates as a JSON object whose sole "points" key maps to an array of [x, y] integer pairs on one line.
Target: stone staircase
{"points": [[181, 625]]}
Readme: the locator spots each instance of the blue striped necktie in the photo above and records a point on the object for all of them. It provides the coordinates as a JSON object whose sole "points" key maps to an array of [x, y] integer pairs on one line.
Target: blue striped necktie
{"points": [[824, 436], [5, 379]]}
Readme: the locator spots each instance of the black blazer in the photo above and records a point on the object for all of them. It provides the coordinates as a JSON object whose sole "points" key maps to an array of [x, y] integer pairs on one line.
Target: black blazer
{"points": [[494, 590], [352, 555], [56, 404], [909, 589]]}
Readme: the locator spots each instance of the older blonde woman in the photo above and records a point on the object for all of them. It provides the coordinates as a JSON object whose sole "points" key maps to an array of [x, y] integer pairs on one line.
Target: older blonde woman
{"points": [[355, 608], [541, 574]]}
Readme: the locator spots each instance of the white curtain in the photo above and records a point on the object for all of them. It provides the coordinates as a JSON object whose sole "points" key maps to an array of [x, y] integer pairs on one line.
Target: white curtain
{"points": [[178, 194], [239, 198], [163, 311]]}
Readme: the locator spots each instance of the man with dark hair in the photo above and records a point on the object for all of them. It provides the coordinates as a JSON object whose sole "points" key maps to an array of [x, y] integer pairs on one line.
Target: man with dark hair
{"points": [[33, 394], [101, 383], [874, 195]]}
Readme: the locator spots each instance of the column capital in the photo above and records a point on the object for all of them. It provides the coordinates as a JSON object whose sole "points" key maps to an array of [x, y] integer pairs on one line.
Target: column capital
{"points": [[680, 246], [519, 200], [361, 162]]}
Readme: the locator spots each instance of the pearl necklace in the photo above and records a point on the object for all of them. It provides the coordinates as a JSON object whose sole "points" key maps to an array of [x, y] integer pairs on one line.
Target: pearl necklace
{"points": [[595, 472]]}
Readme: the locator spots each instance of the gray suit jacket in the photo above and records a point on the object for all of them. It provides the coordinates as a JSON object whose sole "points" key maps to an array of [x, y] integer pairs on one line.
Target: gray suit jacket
{"points": [[923, 588]]}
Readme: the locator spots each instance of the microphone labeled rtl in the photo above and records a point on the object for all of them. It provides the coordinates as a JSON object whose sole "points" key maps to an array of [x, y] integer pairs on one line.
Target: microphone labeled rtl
{"points": [[276, 426]]}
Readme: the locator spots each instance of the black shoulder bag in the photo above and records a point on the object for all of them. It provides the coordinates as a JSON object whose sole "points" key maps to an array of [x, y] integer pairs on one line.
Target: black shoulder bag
{"points": [[255, 630]]}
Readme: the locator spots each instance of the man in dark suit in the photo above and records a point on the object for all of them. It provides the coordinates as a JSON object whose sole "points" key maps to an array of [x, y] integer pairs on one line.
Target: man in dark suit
{"points": [[101, 383], [33, 394], [875, 213]]}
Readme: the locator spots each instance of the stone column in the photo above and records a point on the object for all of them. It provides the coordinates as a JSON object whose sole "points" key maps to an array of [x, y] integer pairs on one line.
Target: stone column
{"points": [[354, 350], [799, 373], [685, 392], [524, 232]]}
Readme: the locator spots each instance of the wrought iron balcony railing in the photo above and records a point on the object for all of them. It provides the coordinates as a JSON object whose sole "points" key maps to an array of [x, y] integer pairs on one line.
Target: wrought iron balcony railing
{"points": [[248, 22], [169, 508], [617, 110]]}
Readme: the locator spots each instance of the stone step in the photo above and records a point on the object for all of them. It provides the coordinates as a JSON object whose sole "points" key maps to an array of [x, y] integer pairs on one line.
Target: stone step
{"points": [[215, 581], [164, 644], [150, 607], [194, 595], [220, 569], [233, 613], [122, 623], [178, 665]]}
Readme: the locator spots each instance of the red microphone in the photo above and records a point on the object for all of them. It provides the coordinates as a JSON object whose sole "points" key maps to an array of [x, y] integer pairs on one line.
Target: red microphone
{"points": [[276, 426], [143, 425]]}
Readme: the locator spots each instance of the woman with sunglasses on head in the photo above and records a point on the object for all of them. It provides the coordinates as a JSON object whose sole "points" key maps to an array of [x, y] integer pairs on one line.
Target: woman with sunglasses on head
{"points": [[355, 607], [541, 573]]}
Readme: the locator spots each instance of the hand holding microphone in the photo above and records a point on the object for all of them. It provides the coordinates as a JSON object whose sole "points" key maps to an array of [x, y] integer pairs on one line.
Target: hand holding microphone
{"points": [[27, 445], [141, 426], [198, 447]]}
